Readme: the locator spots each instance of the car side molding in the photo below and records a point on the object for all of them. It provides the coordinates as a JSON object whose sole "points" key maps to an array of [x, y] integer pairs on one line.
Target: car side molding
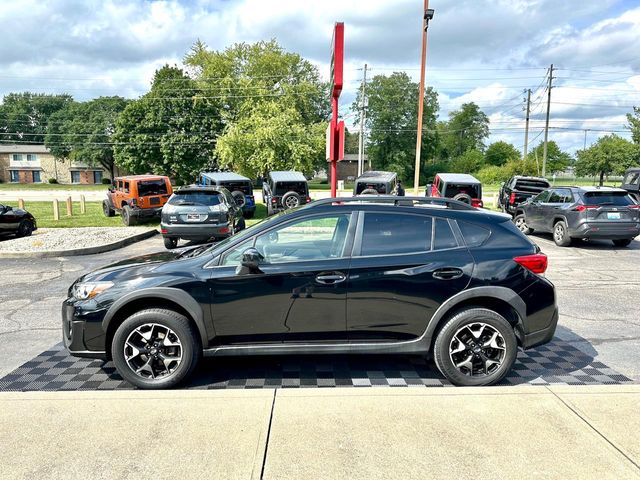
{"points": [[175, 295]]}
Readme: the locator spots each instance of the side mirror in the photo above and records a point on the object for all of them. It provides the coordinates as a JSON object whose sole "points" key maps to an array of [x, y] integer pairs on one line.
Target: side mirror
{"points": [[251, 260], [427, 192]]}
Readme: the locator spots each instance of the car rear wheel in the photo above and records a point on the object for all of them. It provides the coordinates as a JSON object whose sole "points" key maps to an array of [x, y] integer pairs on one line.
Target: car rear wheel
{"points": [[622, 243], [521, 223], [155, 348], [463, 197], [561, 234], [127, 218], [475, 347], [25, 229], [369, 191], [291, 200], [107, 210], [170, 243], [239, 197]]}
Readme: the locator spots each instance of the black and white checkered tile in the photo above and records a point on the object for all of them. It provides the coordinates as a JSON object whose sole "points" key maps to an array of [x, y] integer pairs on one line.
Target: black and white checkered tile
{"points": [[554, 363]]}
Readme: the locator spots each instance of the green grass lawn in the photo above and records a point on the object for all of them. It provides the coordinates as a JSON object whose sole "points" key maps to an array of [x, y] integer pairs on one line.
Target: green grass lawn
{"points": [[51, 186]]}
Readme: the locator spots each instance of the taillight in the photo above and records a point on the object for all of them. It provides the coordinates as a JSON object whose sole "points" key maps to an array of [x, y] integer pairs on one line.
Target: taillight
{"points": [[512, 198], [164, 230], [536, 262], [476, 203], [634, 207], [273, 200], [582, 208], [224, 230], [308, 199]]}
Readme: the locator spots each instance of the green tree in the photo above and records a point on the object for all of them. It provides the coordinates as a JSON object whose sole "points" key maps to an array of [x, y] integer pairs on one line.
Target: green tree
{"points": [[557, 160], [83, 132], [611, 154], [469, 162], [634, 124], [392, 121], [499, 153], [466, 129], [257, 83], [24, 116], [170, 131]]}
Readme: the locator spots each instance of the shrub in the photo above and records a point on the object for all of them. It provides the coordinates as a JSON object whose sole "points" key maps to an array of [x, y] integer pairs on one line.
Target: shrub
{"points": [[106, 181], [53, 180], [493, 174]]}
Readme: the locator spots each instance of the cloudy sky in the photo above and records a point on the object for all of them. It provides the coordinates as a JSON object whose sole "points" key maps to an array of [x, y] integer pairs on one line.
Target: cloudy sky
{"points": [[488, 52]]}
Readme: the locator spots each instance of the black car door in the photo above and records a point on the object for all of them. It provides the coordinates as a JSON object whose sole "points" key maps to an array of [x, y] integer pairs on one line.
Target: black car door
{"points": [[534, 210], [299, 293], [403, 267], [8, 220]]}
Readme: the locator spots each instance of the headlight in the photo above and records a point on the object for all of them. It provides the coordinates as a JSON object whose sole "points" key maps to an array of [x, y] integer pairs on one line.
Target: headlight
{"points": [[84, 291]]}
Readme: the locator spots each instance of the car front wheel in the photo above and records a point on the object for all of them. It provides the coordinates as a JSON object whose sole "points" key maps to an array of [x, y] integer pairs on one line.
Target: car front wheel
{"points": [[25, 229], [155, 348], [475, 347], [561, 234], [520, 222]]}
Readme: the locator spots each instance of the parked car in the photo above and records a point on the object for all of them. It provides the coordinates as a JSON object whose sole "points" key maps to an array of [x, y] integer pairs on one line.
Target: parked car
{"points": [[569, 213], [518, 189], [200, 213], [137, 197], [16, 221], [459, 186], [239, 186], [631, 183], [349, 275], [377, 183], [285, 190]]}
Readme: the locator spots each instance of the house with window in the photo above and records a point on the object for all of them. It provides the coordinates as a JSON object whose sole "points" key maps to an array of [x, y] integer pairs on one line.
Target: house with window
{"points": [[21, 163]]}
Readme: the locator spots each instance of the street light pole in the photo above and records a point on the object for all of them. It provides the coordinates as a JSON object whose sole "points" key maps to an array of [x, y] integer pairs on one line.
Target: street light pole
{"points": [[427, 15]]}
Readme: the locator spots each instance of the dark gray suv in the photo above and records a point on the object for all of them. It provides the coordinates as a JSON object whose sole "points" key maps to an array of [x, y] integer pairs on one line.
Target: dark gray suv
{"points": [[569, 213]]}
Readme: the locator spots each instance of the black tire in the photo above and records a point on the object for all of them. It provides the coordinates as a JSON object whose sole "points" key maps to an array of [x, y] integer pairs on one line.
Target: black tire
{"points": [[291, 200], [622, 242], [107, 210], [170, 242], [127, 218], [269, 209], [369, 191], [520, 221], [25, 228], [180, 325], [561, 234], [463, 197], [239, 197], [457, 323], [248, 214], [240, 225]]}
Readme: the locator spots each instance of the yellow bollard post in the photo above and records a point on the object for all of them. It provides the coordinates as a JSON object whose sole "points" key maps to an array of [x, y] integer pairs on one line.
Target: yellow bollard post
{"points": [[83, 207], [69, 207], [56, 209], [21, 203]]}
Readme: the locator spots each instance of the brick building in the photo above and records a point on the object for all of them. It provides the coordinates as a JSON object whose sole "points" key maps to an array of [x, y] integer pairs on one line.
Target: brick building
{"points": [[35, 164]]}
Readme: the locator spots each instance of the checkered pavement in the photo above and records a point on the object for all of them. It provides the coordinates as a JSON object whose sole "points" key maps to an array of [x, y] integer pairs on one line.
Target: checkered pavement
{"points": [[554, 363]]}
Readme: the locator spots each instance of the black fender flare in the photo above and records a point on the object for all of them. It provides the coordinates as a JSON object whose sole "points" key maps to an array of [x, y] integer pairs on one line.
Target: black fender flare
{"points": [[501, 293], [175, 295]]}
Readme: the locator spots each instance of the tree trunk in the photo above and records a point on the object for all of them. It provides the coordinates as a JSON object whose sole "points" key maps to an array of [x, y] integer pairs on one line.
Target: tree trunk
{"points": [[601, 178]]}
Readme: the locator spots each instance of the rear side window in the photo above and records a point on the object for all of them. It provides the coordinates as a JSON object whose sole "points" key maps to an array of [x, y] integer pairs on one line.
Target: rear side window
{"points": [[619, 199], [387, 234], [474, 235], [444, 237]]}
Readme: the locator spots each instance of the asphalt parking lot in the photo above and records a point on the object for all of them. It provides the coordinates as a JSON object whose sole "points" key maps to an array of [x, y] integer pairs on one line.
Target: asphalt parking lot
{"points": [[597, 286]]}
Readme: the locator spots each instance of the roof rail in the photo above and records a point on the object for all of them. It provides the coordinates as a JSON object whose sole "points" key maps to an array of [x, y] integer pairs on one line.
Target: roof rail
{"points": [[395, 200]]}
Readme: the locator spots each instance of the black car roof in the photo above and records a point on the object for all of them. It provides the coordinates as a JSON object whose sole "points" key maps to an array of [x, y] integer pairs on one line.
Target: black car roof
{"points": [[287, 176], [378, 175]]}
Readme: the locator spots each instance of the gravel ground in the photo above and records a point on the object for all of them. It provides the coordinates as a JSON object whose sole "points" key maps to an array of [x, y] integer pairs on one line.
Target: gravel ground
{"points": [[54, 239]]}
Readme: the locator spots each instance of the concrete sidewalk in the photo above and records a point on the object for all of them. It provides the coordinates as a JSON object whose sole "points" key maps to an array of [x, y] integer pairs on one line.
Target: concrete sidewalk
{"points": [[499, 432]]}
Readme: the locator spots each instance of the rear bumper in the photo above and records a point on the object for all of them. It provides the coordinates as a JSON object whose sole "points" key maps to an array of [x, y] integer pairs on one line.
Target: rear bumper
{"points": [[540, 337], [202, 231], [146, 212], [607, 231]]}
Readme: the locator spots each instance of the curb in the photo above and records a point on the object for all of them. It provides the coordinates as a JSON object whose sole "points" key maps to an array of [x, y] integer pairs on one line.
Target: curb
{"points": [[82, 251]]}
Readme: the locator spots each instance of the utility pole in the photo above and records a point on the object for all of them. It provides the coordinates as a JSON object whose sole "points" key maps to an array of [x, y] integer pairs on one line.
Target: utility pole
{"points": [[546, 125], [363, 110], [526, 128], [427, 15]]}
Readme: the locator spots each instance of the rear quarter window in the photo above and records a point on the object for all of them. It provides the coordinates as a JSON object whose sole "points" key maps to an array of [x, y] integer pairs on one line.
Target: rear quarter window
{"points": [[474, 235]]}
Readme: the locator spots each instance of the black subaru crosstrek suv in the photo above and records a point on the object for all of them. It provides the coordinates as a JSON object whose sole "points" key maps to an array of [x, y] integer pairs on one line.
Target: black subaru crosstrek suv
{"points": [[384, 274]]}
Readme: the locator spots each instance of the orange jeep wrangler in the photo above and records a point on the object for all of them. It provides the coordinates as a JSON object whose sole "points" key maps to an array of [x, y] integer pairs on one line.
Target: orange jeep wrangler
{"points": [[137, 197]]}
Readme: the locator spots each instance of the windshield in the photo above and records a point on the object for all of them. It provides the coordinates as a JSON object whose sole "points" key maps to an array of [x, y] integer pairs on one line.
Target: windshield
{"points": [[619, 199], [152, 187], [208, 199]]}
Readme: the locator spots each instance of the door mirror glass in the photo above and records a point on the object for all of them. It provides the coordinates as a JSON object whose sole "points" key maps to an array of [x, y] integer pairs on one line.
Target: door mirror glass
{"points": [[251, 260]]}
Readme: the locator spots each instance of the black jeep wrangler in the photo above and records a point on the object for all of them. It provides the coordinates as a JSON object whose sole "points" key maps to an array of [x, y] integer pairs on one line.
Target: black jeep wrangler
{"points": [[285, 190], [378, 183]]}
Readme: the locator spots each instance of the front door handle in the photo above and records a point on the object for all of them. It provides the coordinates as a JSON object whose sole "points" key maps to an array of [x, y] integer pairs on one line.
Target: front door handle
{"points": [[447, 273], [331, 279]]}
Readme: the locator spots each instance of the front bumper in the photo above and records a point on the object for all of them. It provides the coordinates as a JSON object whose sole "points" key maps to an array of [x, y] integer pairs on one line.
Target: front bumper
{"points": [[195, 231], [82, 332], [607, 230]]}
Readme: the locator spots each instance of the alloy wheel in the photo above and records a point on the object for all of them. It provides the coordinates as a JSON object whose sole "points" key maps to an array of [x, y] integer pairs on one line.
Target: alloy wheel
{"points": [[153, 351], [521, 224], [291, 202], [477, 349], [558, 232]]}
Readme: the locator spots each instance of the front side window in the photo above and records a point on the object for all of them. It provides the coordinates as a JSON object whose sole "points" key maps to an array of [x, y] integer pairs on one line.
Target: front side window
{"points": [[543, 197], [389, 233], [125, 187], [632, 178], [317, 238], [233, 256]]}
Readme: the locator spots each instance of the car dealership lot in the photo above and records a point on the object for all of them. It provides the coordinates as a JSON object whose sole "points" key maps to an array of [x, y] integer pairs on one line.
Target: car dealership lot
{"points": [[597, 287]]}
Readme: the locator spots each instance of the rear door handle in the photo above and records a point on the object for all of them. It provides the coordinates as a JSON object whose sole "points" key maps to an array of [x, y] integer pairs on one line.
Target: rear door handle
{"points": [[447, 273], [331, 279]]}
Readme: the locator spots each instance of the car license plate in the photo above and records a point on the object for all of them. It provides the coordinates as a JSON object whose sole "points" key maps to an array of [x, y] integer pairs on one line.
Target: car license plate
{"points": [[193, 217], [613, 215]]}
